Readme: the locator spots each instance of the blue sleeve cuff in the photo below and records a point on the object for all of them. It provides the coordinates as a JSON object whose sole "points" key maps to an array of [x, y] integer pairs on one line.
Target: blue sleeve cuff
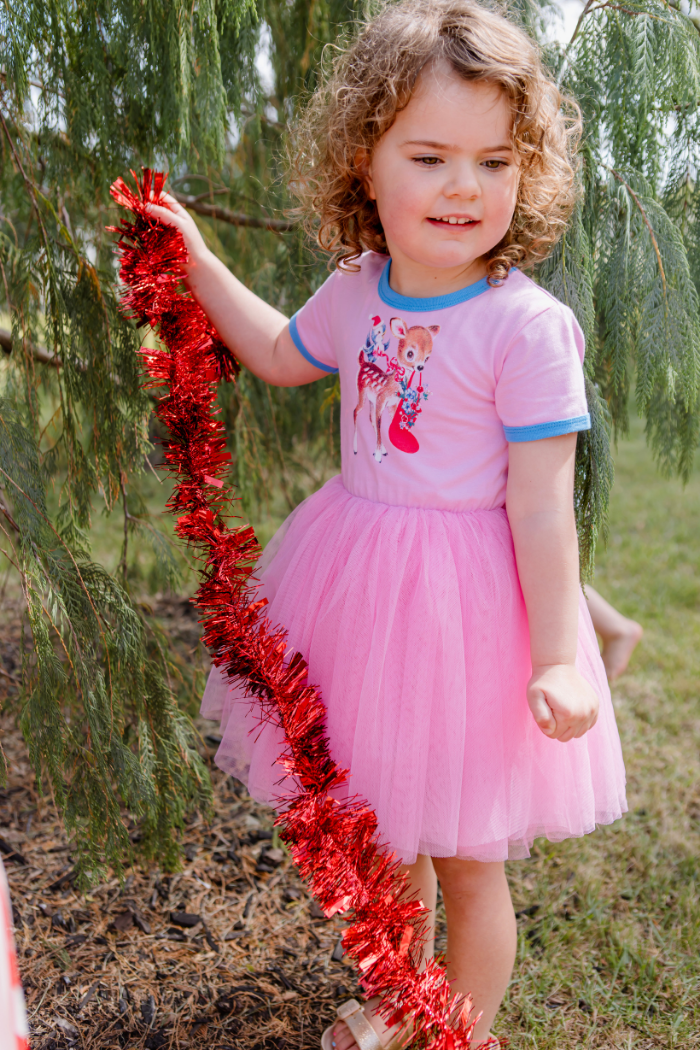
{"points": [[296, 339], [547, 430]]}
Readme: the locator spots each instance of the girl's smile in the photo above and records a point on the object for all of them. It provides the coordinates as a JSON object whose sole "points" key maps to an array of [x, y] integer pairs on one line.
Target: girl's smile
{"points": [[455, 220], [445, 179]]}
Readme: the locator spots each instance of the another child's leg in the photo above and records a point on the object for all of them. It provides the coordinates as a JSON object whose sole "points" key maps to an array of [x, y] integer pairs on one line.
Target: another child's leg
{"points": [[619, 635], [481, 933], [421, 879]]}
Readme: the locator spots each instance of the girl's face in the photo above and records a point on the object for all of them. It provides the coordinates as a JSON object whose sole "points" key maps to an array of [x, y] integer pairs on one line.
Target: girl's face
{"points": [[445, 179]]}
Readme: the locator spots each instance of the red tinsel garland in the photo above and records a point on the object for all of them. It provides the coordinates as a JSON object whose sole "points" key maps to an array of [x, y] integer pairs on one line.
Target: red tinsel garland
{"points": [[334, 845]]}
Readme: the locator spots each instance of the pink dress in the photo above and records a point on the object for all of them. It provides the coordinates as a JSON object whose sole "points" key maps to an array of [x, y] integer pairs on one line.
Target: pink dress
{"points": [[397, 580]]}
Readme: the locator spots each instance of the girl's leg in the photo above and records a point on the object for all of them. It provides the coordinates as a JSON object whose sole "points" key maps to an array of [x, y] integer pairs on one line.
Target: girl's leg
{"points": [[421, 879], [618, 634], [481, 933]]}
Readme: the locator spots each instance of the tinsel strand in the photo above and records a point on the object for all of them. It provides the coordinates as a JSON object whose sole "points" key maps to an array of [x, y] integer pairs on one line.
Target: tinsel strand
{"points": [[334, 844]]}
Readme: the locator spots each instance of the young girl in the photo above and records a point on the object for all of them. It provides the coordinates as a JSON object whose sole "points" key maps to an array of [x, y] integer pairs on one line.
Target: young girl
{"points": [[433, 587]]}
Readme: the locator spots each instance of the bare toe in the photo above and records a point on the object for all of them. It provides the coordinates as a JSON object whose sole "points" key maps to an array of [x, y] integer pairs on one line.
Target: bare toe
{"points": [[342, 1037]]}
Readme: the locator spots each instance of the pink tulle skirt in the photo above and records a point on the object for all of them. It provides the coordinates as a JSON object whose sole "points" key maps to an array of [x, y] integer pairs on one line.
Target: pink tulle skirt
{"points": [[413, 624]]}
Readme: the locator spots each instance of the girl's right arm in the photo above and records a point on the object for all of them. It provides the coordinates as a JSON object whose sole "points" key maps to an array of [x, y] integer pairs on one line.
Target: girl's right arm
{"points": [[256, 333], [540, 507]]}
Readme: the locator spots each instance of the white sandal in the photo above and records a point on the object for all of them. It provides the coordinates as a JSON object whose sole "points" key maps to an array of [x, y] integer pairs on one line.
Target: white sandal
{"points": [[364, 1034]]}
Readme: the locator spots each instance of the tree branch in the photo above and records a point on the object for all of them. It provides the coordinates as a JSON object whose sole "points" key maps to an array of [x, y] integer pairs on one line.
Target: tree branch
{"points": [[31, 188], [234, 218], [589, 9], [626, 11], [565, 59], [263, 118], [39, 353], [4, 510], [125, 548], [34, 83], [45, 357], [648, 225], [213, 191]]}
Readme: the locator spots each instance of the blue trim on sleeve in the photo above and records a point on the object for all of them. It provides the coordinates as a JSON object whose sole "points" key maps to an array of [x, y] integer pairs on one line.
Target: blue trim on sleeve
{"points": [[296, 339], [435, 302], [548, 430]]}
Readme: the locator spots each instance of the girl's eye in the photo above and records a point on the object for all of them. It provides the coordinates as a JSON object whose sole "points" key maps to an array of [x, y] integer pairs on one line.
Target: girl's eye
{"points": [[494, 165], [429, 162]]}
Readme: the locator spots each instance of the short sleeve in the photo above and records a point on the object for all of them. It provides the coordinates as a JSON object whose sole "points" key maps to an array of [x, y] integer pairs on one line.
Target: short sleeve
{"points": [[540, 391], [311, 328]]}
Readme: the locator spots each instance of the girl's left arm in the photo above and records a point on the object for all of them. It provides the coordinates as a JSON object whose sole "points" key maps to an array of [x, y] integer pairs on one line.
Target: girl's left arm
{"points": [[540, 506]]}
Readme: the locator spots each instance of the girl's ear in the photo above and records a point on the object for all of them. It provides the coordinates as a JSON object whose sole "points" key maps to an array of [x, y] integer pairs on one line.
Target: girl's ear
{"points": [[362, 164]]}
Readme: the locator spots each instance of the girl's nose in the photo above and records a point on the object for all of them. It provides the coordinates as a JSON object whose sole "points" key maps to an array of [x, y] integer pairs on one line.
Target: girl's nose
{"points": [[463, 182]]}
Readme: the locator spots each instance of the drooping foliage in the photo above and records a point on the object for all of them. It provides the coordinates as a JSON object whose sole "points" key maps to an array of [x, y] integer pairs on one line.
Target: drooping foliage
{"points": [[86, 91], [206, 90], [628, 266]]}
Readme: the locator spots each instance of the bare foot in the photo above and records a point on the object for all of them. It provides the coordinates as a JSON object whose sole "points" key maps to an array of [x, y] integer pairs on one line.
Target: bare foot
{"points": [[618, 647]]}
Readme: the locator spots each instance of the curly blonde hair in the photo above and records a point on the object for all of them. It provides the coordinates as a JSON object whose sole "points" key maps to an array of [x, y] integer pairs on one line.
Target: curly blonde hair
{"points": [[374, 78]]}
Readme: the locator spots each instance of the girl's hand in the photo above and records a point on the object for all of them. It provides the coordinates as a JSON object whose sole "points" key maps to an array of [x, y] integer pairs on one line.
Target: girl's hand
{"points": [[562, 702], [175, 215], [256, 332]]}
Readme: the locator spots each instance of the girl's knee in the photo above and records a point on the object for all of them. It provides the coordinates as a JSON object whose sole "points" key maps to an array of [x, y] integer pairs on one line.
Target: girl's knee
{"points": [[470, 878]]}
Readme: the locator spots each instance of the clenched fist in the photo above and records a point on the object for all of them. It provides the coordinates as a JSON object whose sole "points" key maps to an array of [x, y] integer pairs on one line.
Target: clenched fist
{"points": [[562, 702]]}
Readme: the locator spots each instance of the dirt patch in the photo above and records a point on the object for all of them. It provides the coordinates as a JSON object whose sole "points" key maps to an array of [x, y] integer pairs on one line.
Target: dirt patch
{"points": [[230, 952]]}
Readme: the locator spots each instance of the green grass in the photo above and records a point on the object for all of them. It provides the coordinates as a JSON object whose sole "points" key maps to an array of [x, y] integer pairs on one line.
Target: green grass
{"points": [[611, 958], [149, 493]]}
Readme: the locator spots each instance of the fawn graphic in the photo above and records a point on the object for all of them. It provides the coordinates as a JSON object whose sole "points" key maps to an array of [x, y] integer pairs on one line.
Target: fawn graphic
{"points": [[382, 389]]}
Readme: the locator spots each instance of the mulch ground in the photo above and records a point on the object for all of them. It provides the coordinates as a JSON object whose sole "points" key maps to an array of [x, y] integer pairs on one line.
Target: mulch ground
{"points": [[230, 952]]}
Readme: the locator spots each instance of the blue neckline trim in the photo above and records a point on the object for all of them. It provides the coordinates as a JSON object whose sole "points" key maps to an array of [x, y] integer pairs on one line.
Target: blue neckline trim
{"points": [[434, 302]]}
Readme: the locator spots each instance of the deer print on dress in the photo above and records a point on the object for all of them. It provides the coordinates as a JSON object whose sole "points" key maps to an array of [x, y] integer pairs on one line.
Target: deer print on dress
{"points": [[383, 389]]}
